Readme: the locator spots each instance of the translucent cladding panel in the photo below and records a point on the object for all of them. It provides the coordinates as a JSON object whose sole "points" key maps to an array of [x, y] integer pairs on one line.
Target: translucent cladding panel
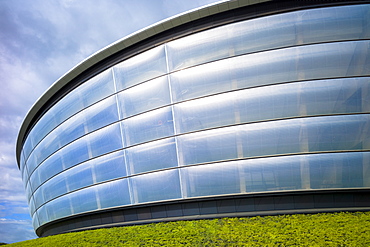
{"points": [[109, 166], [58, 208], [53, 165], [211, 145], [305, 135], [157, 186], [315, 134], [91, 91], [90, 119], [96, 88], [85, 174], [272, 174], [88, 93], [79, 176], [152, 156], [35, 221], [52, 188], [139, 68], [271, 32], [276, 137], [148, 126], [336, 23], [144, 97], [113, 194], [25, 177], [338, 133], [97, 143], [28, 191], [32, 206], [31, 162], [39, 197], [203, 113], [331, 60], [83, 200], [348, 95], [338, 170], [100, 114], [21, 161], [28, 146], [105, 140], [39, 130], [75, 152], [213, 179], [42, 215]]}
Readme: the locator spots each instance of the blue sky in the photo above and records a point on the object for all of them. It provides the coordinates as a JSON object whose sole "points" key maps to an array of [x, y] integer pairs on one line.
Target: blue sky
{"points": [[40, 40]]}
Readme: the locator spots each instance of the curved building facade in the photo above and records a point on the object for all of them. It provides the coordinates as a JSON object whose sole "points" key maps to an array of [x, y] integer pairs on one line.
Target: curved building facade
{"points": [[236, 109]]}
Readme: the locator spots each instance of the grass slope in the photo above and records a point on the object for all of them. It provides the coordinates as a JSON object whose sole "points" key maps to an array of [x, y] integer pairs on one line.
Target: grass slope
{"points": [[336, 229]]}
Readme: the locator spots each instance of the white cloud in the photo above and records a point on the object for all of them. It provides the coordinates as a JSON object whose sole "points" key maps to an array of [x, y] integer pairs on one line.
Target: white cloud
{"points": [[40, 41]]}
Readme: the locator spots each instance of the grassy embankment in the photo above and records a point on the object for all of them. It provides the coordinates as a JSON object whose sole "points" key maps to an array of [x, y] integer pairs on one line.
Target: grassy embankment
{"points": [[337, 229]]}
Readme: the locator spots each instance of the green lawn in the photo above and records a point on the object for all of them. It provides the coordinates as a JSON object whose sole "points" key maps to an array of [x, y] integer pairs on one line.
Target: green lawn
{"points": [[331, 229]]}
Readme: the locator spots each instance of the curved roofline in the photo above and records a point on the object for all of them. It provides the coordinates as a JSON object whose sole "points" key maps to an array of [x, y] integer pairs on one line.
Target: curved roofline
{"points": [[123, 44], [103, 58]]}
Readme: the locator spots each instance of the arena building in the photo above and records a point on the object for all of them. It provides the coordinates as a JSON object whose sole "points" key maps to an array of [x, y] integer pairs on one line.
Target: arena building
{"points": [[241, 108]]}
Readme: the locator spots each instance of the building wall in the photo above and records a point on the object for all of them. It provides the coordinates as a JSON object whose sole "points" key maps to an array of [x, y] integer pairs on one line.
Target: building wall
{"points": [[278, 103]]}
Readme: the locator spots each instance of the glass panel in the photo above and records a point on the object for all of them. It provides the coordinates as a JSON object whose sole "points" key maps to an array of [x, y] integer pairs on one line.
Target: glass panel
{"points": [[144, 97], [152, 156], [157, 186], [83, 200], [148, 126], [342, 59], [271, 32], [113, 194], [214, 179], [139, 68]]}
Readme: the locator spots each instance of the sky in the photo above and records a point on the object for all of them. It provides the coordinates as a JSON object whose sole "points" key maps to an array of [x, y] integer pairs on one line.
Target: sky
{"points": [[40, 40]]}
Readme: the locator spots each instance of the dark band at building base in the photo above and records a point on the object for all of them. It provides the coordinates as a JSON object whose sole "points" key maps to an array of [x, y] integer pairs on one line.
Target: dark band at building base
{"points": [[240, 108]]}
